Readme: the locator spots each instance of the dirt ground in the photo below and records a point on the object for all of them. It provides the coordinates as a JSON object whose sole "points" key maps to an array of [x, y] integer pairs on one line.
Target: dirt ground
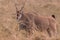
{"points": [[9, 24]]}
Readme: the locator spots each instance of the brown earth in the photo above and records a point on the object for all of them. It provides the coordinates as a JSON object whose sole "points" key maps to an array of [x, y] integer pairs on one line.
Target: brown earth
{"points": [[9, 24]]}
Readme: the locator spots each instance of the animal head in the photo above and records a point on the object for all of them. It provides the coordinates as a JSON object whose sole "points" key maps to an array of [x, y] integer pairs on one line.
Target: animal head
{"points": [[19, 12], [19, 15]]}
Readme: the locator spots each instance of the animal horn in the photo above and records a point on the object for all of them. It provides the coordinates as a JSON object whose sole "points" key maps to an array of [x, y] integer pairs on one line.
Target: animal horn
{"points": [[21, 10], [16, 8]]}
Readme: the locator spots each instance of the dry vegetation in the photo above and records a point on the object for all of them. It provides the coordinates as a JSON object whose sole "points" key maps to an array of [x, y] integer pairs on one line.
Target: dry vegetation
{"points": [[9, 27]]}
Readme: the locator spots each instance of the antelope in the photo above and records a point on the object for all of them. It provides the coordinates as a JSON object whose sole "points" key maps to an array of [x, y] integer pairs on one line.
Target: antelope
{"points": [[23, 20], [42, 22]]}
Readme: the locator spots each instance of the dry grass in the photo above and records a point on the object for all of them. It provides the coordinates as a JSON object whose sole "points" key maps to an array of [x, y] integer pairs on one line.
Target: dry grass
{"points": [[9, 24]]}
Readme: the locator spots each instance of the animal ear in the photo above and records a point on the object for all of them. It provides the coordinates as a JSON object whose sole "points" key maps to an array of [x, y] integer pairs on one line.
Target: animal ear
{"points": [[53, 16]]}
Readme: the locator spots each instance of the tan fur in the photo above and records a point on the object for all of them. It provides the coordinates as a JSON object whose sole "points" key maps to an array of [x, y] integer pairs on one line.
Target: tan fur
{"points": [[42, 22], [46, 22]]}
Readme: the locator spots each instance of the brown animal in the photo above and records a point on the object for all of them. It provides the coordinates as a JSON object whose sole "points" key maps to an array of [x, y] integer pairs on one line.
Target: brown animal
{"points": [[43, 23]]}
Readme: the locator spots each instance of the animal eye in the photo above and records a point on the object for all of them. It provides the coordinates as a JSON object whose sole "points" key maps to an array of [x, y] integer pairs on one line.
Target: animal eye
{"points": [[17, 11]]}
